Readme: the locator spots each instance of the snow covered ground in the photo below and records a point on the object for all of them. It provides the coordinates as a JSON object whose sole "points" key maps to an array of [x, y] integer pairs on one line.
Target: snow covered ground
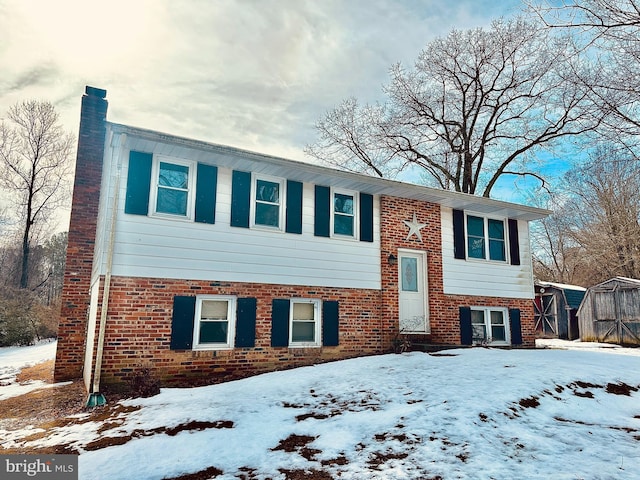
{"points": [[14, 359], [567, 412]]}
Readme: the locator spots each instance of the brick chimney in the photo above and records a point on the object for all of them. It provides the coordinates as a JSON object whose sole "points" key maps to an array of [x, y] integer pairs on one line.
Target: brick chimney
{"points": [[82, 235]]}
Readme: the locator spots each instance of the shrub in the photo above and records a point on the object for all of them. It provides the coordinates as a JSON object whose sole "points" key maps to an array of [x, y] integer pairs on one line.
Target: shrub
{"points": [[144, 384], [23, 319]]}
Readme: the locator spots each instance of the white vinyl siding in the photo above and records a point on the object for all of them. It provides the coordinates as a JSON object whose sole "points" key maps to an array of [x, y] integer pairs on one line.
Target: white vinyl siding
{"points": [[148, 246], [484, 278]]}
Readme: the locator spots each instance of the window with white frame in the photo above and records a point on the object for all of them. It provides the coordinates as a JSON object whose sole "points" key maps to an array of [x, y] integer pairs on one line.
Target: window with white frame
{"points": [[490, 325], [214, 326], [268, 196], [344, 213], [173, 187], [305, 323], [486, 238]]}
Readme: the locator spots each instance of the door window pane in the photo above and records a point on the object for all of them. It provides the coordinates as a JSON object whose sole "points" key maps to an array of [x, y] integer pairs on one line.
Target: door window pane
{"points": [[409, 268]]}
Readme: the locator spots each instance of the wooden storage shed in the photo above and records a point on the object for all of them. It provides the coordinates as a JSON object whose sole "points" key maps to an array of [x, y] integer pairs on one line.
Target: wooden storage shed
{"points": [[610, 312], [555, 306]]}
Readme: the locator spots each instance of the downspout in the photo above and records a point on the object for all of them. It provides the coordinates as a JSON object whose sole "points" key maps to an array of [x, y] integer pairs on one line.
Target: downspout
{"points": [[95, 397]]}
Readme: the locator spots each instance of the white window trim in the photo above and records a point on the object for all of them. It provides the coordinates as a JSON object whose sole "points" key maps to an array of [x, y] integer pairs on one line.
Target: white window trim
{"points": [[486, 238], [317, 304], [356, 214], [231, 312], [487, 323], [252, 215], [155, 174]]}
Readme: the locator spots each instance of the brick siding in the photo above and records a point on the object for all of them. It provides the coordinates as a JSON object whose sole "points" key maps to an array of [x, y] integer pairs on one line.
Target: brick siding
{"points": [[138, 331]]}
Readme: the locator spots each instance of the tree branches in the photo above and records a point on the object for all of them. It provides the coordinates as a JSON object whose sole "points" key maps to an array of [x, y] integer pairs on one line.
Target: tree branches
{"points": [[475, 106]]}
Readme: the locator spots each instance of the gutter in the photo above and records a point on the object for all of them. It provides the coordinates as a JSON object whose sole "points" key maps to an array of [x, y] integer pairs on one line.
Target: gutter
{"points": [[96, 398]]}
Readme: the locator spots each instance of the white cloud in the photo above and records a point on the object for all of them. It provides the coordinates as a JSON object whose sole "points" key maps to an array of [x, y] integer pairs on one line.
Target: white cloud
{"points": [[254, 74]]}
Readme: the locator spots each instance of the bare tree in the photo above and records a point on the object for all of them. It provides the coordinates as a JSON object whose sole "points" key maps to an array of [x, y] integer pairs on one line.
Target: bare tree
{"points": [[606, 213], [610, 31], [557, 257], [478, 105], [35, 156]]}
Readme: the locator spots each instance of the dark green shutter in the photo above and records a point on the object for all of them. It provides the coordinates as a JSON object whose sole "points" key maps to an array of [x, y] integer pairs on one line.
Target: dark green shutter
{"points": [[514, 244], [246, 323], [516, 326], [366, 217], [240, 198], [458, 234], [294, 207], [466, 331], [206, 187], [138, 183], [280, 322], [322, 212], [184, 310], [330, 323]]}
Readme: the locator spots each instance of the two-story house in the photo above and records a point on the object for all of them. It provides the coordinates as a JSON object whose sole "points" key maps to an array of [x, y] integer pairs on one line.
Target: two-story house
{"points": [[205, 263]]}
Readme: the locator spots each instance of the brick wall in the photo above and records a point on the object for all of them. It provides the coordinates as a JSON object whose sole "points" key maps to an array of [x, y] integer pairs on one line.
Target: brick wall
{"points": [[82, 232], [138, 331]]}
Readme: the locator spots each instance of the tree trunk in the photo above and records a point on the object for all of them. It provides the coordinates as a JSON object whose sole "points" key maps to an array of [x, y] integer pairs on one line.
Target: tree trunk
{"points": [[24, 276]]}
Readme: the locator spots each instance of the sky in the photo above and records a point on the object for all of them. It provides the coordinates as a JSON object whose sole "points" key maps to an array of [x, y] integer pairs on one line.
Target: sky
{"points": [[568, 412], [254, 74]]}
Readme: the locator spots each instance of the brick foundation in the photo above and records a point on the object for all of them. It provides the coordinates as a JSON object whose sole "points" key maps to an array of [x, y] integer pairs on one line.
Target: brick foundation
{"points": [[138, 331]]}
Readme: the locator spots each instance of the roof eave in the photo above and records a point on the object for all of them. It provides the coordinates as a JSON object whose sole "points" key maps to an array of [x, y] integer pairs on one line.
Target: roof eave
{"points": [[237, 158]]}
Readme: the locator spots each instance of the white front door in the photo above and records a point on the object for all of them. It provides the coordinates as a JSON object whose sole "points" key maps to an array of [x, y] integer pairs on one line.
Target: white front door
{"points": [[412, 285]]}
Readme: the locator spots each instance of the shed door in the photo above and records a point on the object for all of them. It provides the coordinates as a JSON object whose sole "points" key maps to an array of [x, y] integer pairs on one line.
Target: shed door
{"points": [[412, 287], [546, 315]]}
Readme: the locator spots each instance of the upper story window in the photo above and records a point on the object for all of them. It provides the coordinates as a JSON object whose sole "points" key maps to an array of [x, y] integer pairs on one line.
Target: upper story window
{"points": [[268, 198], [173, 187], [344, 213], [214, 325], [486, 238]]}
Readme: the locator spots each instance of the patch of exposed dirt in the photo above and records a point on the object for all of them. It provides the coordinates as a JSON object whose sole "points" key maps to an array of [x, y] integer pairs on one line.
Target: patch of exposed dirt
{"points": [[377, 459], [531, 402], [299, 444], [44, 408], [206, 474], [311, 474], [620, 389], [171, 431]]}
